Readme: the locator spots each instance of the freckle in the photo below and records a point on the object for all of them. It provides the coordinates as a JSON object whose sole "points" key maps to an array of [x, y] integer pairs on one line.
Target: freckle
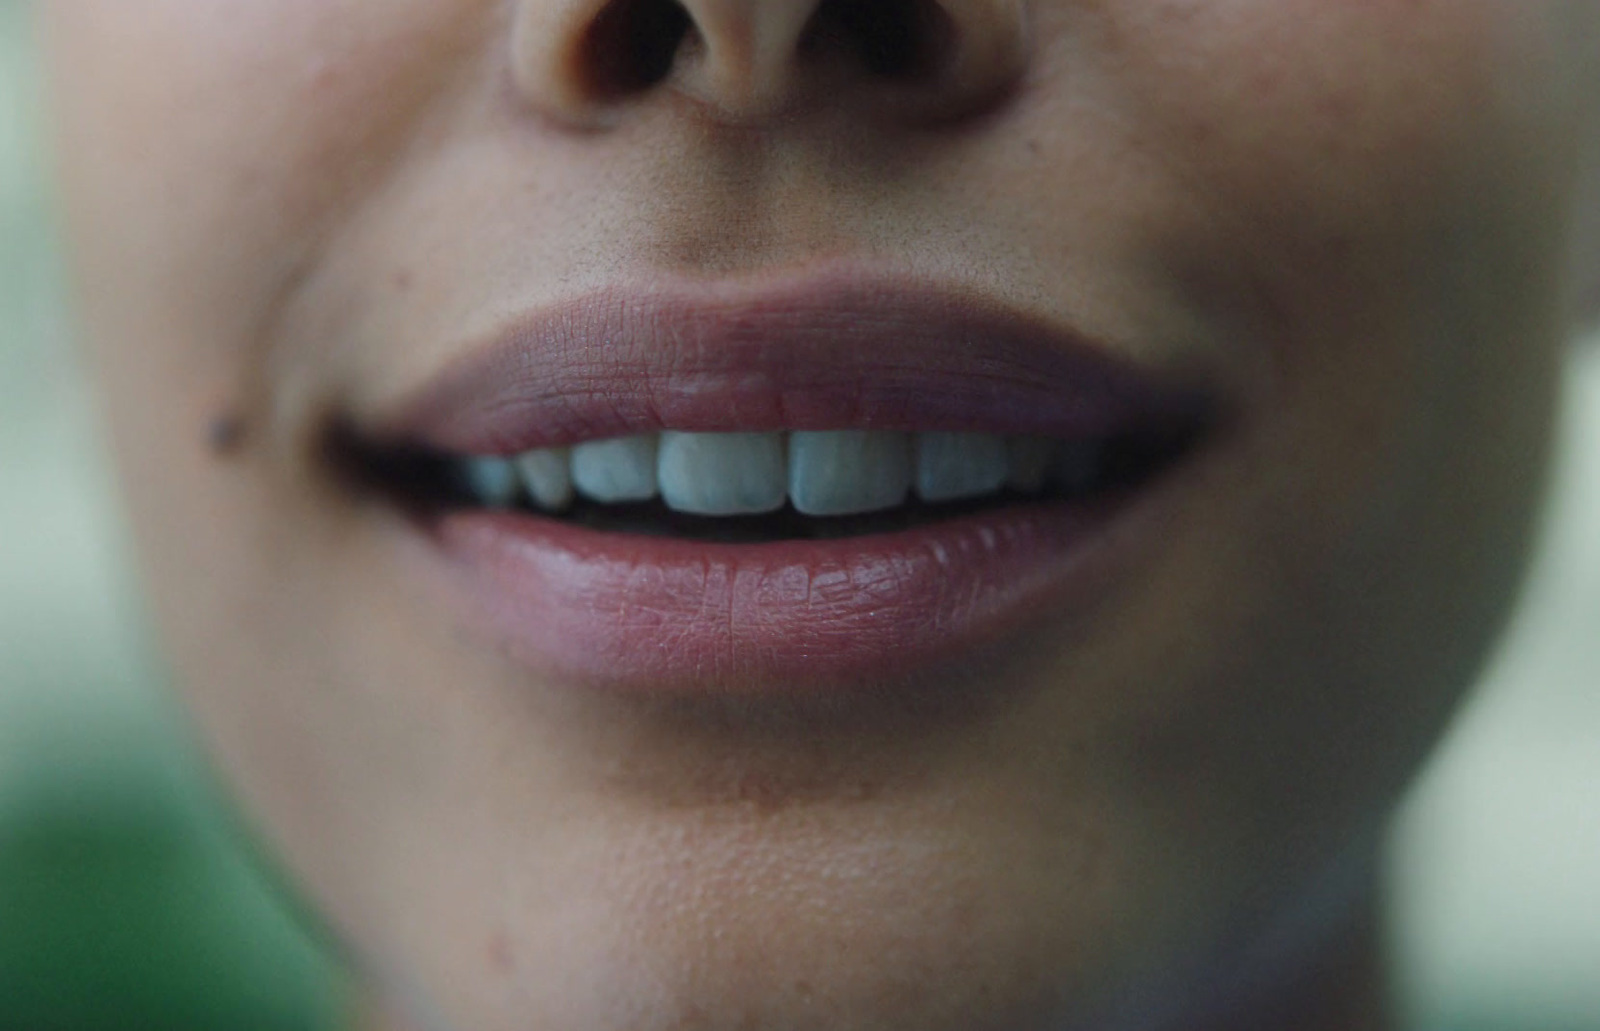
{"points": [[1033, 146], [225, 435], [402, 280]]}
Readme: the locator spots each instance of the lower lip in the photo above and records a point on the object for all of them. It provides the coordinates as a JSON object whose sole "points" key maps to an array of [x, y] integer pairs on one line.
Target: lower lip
{"points": [[664, 615]]}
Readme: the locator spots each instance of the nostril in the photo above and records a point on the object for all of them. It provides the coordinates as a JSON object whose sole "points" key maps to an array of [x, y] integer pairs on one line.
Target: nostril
{"points": [[632, 45], [584, 61], [900, 39]]}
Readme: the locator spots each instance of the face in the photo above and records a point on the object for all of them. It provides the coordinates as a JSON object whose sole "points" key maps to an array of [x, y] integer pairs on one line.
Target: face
{"points": [[1272, 292]]}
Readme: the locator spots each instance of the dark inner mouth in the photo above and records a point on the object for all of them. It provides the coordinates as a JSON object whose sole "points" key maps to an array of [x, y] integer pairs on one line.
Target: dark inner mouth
{"points": [[428, 483]]}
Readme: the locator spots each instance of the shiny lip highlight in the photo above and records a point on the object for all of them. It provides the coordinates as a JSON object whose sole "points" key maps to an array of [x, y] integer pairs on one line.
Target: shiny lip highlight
{"points": [[661, 614]]}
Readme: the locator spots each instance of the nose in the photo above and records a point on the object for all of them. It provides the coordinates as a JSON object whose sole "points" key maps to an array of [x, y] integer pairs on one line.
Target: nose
{"points": [[588, 61]]}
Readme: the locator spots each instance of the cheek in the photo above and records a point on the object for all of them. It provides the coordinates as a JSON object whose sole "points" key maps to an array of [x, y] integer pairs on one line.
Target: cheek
{"points": [[1397, 179], [1311, 115], [1400, 176], [205, 144]]}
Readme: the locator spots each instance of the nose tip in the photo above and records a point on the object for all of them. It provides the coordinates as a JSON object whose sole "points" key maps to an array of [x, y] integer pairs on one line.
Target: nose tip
{"points": [[584, 61], [741, 55]]}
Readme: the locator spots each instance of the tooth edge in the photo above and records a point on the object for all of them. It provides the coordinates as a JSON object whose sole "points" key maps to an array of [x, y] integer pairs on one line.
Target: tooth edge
{"points": [[889, 451], [752, 467], [618, 470], [492, 480], [944, 458], [546, 475]]}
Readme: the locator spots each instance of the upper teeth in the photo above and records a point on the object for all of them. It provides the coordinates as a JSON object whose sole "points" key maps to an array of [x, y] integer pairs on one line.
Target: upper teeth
{"points": [[951, 466], [623, 469], [843, 472], [831, 472]]}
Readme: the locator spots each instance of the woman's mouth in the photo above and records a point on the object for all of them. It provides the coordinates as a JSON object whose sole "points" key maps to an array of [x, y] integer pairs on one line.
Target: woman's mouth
{"points": [[813, 488], [774, 486]]}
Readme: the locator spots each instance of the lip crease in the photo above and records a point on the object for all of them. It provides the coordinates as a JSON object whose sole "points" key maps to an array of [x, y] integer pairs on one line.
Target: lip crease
{"points": [[657, 614]]}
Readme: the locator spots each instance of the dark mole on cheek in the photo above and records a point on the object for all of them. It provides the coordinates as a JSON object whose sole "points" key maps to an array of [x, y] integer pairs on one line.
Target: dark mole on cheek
{"points": [[225, 435]]}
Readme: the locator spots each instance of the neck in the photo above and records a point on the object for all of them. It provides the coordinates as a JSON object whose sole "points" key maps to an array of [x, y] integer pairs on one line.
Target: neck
{"points": [[1345, 988]]}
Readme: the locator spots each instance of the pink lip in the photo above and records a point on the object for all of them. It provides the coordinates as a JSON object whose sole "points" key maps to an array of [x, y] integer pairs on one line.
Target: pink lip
{"points": [[661, 614], [830, 353]]}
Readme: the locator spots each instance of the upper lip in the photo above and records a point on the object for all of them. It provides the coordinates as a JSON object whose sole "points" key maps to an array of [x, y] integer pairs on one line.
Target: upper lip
{"points": [[830, 352]]}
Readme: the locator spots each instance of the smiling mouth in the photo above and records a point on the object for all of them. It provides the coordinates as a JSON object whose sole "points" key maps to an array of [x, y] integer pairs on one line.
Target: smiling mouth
{"points": [[755, 489], [750, 487]]}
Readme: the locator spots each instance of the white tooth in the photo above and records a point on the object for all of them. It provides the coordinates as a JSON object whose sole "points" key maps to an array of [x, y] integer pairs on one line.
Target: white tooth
{"points": [[951, 466], [616, 470], [722, 474], [491, 480], [1028, 462], [1075, 466], [547, 477], [843, 472]]}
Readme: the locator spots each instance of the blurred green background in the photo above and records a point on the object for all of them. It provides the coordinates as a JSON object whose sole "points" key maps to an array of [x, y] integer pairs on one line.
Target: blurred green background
{"points": [[128, 899]]}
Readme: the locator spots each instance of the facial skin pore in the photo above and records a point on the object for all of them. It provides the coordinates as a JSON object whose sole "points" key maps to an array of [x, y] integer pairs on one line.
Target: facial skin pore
{"points": [[1356, 215]]}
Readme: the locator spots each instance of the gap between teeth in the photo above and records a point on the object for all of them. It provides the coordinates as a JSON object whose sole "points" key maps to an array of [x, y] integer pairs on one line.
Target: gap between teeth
{"points": [[820, 473]]}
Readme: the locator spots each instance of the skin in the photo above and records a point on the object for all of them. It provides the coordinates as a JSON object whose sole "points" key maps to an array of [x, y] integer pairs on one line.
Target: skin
{"points": [[1362, 215]]}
